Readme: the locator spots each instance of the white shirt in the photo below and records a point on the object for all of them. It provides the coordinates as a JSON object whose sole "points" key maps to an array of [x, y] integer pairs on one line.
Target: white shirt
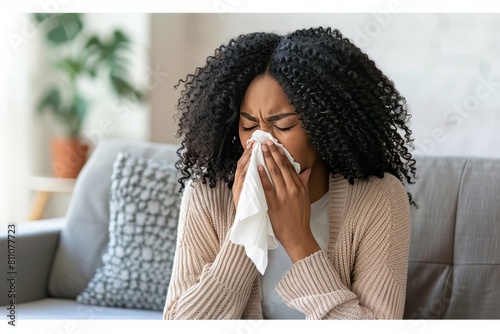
{"points": [[279, 263]]}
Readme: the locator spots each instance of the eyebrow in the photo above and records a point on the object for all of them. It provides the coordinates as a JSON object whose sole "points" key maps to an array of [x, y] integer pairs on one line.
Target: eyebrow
{"points": [[270, 118]]}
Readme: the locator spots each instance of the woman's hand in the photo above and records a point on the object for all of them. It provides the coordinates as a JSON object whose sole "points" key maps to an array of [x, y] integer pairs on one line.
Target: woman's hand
{"points": [[288, 203], [240, 173]]}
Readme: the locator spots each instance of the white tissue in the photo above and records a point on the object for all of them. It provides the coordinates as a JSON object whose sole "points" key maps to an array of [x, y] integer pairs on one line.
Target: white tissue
{"points": [[252, 227]]}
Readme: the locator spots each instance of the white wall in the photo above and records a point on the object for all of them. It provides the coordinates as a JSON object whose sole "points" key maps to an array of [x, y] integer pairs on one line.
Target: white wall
{"points": [[16, 126], [444, 64]]}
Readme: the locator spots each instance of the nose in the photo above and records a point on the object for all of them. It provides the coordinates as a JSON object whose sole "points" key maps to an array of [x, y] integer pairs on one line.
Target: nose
{"points": [[267, 128]]}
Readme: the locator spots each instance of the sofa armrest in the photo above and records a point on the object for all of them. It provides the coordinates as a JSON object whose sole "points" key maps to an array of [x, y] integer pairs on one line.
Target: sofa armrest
{"points": [[32, 248]]}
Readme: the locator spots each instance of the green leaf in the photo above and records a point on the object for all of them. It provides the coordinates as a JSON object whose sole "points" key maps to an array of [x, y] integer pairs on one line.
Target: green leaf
{"points": [[118, 74], [120, 37], [138, 95], [40, 17], [118, 42], [78, 111], [93, 43], [123, 88], [118, 69], [51, 100], [72, 66], [91, 55], [66, 29]]}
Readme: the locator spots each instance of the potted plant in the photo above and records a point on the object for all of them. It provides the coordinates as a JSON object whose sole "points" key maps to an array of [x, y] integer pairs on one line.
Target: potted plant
{"points": [[80, 56]]}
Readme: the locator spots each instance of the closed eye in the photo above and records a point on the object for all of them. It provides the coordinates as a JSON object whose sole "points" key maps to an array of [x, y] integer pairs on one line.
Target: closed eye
{"points": [[250, 128], [285, 129]]}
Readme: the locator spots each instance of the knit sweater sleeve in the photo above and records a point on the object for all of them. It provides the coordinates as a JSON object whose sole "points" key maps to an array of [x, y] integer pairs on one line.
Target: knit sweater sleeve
{"points": [[209, 280], [376, 241]]}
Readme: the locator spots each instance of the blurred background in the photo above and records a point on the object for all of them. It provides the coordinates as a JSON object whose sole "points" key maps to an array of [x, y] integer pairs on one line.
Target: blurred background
{"points": [[94, 76]]}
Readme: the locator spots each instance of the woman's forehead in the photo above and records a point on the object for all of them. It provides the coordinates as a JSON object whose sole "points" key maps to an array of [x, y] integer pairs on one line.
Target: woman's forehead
{"points": [[264, 94]]}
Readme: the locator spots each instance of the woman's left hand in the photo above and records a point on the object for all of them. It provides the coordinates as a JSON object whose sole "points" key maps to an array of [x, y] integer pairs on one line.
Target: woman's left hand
{"points": [[288, 203]]}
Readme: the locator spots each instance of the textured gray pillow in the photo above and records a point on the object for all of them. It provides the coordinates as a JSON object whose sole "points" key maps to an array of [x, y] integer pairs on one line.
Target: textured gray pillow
{"points": [[144, 209], [84, 237]]}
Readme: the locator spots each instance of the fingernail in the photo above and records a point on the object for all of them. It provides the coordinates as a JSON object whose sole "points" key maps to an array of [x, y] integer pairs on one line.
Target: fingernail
{"points": [[264, 148], [250, 144], [260, 168], [269, 142]]}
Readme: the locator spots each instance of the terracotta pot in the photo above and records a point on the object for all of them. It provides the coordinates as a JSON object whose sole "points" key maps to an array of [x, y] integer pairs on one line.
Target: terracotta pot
{"points": [[68, 156]]}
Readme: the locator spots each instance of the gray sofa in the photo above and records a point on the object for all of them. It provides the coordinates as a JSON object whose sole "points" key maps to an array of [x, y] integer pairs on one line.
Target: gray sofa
{"points": [[454, 265]]}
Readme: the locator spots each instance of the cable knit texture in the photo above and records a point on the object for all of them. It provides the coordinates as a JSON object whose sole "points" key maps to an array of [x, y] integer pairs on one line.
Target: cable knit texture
{"points": [[362, 275]]}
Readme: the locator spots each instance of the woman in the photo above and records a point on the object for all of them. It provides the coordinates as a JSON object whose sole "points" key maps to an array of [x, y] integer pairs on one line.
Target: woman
{"points": [[343, 222]]}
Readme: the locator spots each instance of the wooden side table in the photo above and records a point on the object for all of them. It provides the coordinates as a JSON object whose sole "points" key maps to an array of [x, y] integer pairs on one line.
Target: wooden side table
{"points": [[45, 186]]}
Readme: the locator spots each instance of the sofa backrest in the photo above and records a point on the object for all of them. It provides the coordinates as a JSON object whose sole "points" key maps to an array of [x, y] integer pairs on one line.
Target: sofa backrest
{"points": [[454, 265], [84, 237]]}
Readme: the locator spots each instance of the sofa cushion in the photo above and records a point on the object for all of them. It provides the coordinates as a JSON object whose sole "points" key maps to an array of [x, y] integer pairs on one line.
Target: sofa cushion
{"points": [[454, 252], [144, 210], [476, 272], [59, 309], [85, 236], [432, 232]]}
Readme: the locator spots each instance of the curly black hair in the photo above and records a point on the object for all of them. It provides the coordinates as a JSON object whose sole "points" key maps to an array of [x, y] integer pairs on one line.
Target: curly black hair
{"points": [[352, 112]]}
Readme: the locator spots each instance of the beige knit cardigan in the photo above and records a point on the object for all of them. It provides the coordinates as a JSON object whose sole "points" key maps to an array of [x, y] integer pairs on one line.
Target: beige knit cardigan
{"points": [[362, 275]]}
